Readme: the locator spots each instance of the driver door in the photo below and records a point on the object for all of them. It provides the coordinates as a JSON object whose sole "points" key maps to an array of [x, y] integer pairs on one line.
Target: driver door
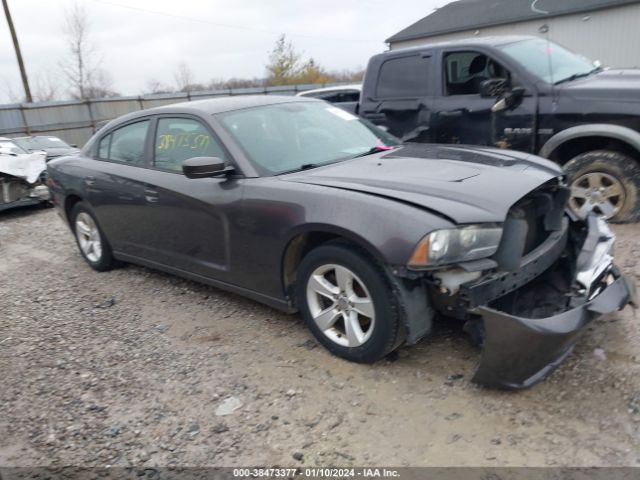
{"points": [[464, 116], [188, 221]]}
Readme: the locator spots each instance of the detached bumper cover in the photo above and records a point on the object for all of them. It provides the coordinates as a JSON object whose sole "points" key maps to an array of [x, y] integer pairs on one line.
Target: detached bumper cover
{"points": [[519, 352]]}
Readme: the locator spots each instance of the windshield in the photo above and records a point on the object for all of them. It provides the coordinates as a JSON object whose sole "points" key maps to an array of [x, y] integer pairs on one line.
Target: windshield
{"points": [[36, 143], [11, 147], [293, 136], [548, 61]]}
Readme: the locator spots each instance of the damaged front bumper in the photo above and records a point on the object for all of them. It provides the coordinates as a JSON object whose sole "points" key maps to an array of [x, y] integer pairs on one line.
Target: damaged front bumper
{"points": [[526, 331], [15, 192], [519, 352], [22, 180]]}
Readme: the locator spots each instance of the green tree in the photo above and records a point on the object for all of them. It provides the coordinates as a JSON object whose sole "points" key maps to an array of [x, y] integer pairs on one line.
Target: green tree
{"points": [[311, 72], [284, 63]]}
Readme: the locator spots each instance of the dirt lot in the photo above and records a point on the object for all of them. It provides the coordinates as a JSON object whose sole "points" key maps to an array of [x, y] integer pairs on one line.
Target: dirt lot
{"points": [[130, 367]]}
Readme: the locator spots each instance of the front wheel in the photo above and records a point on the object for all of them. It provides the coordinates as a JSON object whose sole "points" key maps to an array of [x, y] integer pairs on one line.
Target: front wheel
{"points": [[347, 302], [606, 183]]}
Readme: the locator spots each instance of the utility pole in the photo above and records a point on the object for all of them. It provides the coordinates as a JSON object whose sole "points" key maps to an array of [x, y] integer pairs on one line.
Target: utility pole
{"points": [[23, 72]]}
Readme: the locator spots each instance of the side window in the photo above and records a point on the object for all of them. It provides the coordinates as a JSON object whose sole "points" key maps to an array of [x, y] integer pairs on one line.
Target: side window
{"points": [[350, 96], [103, 147], [178, 139], [125, 144], [465, 71], [403, 77]]}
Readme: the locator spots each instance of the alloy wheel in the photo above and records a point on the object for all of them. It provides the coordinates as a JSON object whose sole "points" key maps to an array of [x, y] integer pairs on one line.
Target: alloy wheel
{"points": [[596, 192], [88, 237], [341, 305]]}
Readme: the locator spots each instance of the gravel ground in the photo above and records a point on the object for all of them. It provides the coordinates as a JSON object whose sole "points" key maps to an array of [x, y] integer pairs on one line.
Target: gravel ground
{"points": [[133, 367]]}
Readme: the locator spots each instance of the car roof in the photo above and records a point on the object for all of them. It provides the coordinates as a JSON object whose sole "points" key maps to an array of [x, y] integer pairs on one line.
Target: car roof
{"points": [[355, 86], [492, 41], [212, 106]]}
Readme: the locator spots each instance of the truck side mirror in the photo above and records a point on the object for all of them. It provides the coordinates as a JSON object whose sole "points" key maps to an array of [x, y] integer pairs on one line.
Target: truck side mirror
{"points": [[509, 99], [494, 87]]}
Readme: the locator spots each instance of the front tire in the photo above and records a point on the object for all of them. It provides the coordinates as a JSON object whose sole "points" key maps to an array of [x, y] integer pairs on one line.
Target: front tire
{"points": [[606, 183], [347, 302], [92, 243]]}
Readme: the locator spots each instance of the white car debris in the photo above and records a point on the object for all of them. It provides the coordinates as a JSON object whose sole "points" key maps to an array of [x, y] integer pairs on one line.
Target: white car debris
{"points": [[22, 176]]}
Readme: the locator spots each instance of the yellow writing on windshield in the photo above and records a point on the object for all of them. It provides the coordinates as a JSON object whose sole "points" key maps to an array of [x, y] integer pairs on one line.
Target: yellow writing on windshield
{"points": [[194, 141]]}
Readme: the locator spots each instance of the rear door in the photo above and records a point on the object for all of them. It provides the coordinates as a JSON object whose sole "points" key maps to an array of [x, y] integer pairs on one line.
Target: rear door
{"points": [[462, 115], [114, 185], [400, 99], [188, 220]]}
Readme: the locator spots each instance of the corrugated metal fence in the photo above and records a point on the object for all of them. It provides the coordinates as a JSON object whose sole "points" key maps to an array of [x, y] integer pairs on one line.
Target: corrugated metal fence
{"points": [[75, 121]]}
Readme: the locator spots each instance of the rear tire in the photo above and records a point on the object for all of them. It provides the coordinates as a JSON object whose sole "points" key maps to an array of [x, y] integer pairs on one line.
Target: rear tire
{"points": [[92, 243], [348, 303], [606, 183]]}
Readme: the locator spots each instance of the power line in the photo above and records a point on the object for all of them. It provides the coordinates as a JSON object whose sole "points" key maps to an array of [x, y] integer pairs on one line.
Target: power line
{"points": [[228, 25]]}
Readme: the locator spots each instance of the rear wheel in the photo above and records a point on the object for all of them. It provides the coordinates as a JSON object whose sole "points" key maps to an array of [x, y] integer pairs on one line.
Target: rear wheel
{"points": [[606, 183], [91, 241], [347, 302]]}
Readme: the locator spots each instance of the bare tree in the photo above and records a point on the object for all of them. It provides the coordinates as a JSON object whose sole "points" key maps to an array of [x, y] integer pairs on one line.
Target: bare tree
{"points": [[78, 67], [86, 78], [46, 89], [185, 80], [234, 82], [100, 85], [155, 86], [10, 93]]}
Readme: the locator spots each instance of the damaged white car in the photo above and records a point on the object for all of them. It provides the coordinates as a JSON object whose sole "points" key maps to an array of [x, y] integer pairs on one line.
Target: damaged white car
{"points": [[22, 176]]}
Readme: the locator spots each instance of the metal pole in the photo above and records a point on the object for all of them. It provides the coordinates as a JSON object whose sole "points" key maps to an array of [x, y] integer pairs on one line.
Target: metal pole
{"points": [[23, 72]]}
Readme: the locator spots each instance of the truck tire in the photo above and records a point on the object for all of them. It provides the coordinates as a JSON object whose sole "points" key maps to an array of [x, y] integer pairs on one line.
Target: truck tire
{"points": [[348, 303], [604, 182]]}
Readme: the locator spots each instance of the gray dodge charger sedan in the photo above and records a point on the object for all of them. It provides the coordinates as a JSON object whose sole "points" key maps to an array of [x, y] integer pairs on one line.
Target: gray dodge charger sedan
{"points": [[300, 205]]}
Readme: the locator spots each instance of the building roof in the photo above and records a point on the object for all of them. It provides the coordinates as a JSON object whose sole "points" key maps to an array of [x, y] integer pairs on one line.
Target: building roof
{"points": [[464, 15]]}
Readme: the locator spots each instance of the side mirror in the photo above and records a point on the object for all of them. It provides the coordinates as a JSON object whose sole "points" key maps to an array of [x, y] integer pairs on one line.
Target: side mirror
{"points": [[509, 99], [74, 145], [203, 167], [494, 87]]}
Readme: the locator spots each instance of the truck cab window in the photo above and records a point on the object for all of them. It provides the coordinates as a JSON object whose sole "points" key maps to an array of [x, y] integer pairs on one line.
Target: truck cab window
{"points": [[465, 71], [403, 77]]}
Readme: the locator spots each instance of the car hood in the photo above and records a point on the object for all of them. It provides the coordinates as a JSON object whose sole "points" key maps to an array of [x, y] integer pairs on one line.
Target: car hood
{"points": [[28, 166], [616, 85], [466, 184]]}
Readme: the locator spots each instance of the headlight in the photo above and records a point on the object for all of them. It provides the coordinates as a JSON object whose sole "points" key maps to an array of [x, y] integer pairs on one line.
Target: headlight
{"points": [[456, 245]]}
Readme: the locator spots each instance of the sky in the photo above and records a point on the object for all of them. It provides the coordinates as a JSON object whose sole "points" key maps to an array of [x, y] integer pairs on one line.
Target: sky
{"points": [[141, 40]]}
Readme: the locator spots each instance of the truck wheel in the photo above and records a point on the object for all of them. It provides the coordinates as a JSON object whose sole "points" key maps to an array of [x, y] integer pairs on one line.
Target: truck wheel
{"points": [[606, 183], [92, 243], [347, 302]]}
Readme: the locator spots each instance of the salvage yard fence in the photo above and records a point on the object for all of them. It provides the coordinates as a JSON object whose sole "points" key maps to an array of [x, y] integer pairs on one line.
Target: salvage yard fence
{"points": [[76, 120]]}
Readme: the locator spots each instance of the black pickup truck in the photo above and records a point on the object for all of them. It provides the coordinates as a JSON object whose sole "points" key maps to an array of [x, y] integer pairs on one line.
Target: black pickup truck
{"points": [[521, 93]]}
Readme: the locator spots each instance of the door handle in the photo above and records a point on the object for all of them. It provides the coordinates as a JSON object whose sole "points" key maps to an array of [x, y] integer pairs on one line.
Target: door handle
{"points": [[90, 180], [452, 113]]}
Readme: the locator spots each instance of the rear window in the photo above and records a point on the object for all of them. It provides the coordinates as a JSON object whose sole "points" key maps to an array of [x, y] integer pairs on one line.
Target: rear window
{"points": [[403, 77], [126, 144]]}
